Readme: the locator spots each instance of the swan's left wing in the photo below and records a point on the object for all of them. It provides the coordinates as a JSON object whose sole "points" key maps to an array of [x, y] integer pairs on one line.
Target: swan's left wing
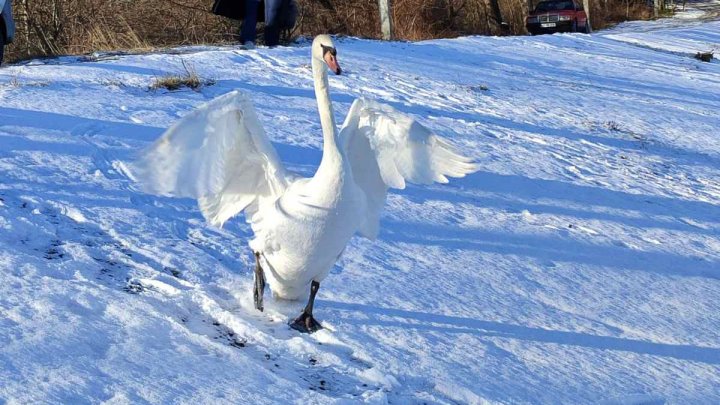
{"points": [[386, 148], [218, 154]]}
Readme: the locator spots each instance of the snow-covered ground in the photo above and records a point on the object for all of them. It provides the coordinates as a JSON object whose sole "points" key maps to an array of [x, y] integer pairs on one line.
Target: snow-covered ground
{"points": [[581, 264]]}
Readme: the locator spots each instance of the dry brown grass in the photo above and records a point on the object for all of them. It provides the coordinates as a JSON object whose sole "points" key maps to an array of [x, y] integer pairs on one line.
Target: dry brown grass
{"points": [[607, 13], [57, 27], [413, 19], [348, 17], [176, 82], [187, 79]]}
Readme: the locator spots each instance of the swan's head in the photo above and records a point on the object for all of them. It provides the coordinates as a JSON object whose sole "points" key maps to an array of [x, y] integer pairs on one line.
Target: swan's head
{"points": [[323, 49]]}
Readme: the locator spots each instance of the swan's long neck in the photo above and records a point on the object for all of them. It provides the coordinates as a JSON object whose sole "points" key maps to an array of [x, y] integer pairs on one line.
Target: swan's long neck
{"points": [[332, 158]]}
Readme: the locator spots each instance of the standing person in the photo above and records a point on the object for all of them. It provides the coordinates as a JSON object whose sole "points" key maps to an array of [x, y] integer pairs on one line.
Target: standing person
{"points": [[279, 14], [7, 26]]}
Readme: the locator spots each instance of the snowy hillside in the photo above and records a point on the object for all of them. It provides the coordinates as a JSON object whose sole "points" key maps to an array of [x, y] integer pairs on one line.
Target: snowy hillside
{"points": [[580, 265]]}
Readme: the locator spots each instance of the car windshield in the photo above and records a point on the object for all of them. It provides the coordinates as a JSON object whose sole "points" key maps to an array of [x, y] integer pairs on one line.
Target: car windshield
{"points": [[554, 6]]}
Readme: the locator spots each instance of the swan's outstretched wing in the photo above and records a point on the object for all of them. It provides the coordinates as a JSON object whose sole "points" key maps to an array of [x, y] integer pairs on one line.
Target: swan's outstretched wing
{"points": [[219, 154], [386, 148]]}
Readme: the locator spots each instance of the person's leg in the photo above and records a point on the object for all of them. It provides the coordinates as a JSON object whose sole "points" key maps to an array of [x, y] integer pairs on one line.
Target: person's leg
{"points": [[247, 32], [2, 37], [2, 46], [272, 35], [272, 21]]}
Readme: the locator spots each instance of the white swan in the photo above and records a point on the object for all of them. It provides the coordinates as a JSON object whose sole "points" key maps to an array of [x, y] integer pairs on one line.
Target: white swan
{"points": [[220, 155]]}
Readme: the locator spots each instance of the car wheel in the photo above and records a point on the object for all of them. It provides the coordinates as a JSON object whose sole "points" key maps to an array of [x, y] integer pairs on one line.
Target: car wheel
{"points": [[574, 26]]}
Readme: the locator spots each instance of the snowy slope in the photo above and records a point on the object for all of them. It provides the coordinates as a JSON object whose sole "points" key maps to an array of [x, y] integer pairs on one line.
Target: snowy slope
{"points": [[581, 264]]}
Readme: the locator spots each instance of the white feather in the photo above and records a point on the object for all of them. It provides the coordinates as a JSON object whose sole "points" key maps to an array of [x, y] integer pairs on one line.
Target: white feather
{"points": [[220, 155], [386, 148]]}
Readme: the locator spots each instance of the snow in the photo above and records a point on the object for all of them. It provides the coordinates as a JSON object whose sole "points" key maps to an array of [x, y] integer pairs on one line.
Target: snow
{"points": [[581, 264]]}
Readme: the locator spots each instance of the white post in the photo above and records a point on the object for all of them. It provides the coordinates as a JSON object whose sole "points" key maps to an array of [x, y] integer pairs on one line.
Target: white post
{"points": [[386, 20]]}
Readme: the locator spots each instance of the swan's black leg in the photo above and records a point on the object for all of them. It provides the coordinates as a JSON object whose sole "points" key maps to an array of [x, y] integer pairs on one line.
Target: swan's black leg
{"points": [[259, 287], [305, 323]]}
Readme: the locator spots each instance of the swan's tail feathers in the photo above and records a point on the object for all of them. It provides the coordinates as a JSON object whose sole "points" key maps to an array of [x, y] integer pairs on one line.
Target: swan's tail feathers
{"points": [[218, 154]]}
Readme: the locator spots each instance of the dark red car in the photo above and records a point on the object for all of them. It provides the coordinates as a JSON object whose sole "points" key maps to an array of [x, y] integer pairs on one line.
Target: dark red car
{"points": [[558, 16]]}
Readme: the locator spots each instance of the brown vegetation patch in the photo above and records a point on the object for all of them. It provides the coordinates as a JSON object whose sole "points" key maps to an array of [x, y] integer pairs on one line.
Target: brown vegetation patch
{"points": [[59, 27], [189, 79]]}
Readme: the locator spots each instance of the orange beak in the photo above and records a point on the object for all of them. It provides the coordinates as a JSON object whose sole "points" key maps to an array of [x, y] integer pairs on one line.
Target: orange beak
{"points": [[332, 62]]}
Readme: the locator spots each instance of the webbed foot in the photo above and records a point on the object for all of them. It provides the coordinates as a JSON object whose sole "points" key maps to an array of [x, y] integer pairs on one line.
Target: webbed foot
{"points": [[305, 323]]}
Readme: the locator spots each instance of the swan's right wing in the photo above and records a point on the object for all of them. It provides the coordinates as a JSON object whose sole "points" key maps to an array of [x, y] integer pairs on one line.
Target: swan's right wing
{"points": [[386, 148], [218, 154]]}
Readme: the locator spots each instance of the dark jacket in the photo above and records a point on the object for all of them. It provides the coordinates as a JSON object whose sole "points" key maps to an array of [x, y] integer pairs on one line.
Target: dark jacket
{"points": [[7, 24]]}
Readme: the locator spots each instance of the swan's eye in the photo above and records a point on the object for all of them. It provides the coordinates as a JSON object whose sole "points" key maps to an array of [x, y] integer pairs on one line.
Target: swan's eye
{"points": [[328, 49]]}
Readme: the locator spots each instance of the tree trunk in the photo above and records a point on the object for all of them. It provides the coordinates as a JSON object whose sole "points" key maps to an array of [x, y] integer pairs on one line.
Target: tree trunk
{"points": [[586, 6], [496, 13], [386, 19], [24, 17]]}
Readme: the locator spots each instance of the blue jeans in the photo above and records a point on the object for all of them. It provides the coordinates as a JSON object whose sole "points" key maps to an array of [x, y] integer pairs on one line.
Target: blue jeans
{"points": [[248, 29], [272, 30]]}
